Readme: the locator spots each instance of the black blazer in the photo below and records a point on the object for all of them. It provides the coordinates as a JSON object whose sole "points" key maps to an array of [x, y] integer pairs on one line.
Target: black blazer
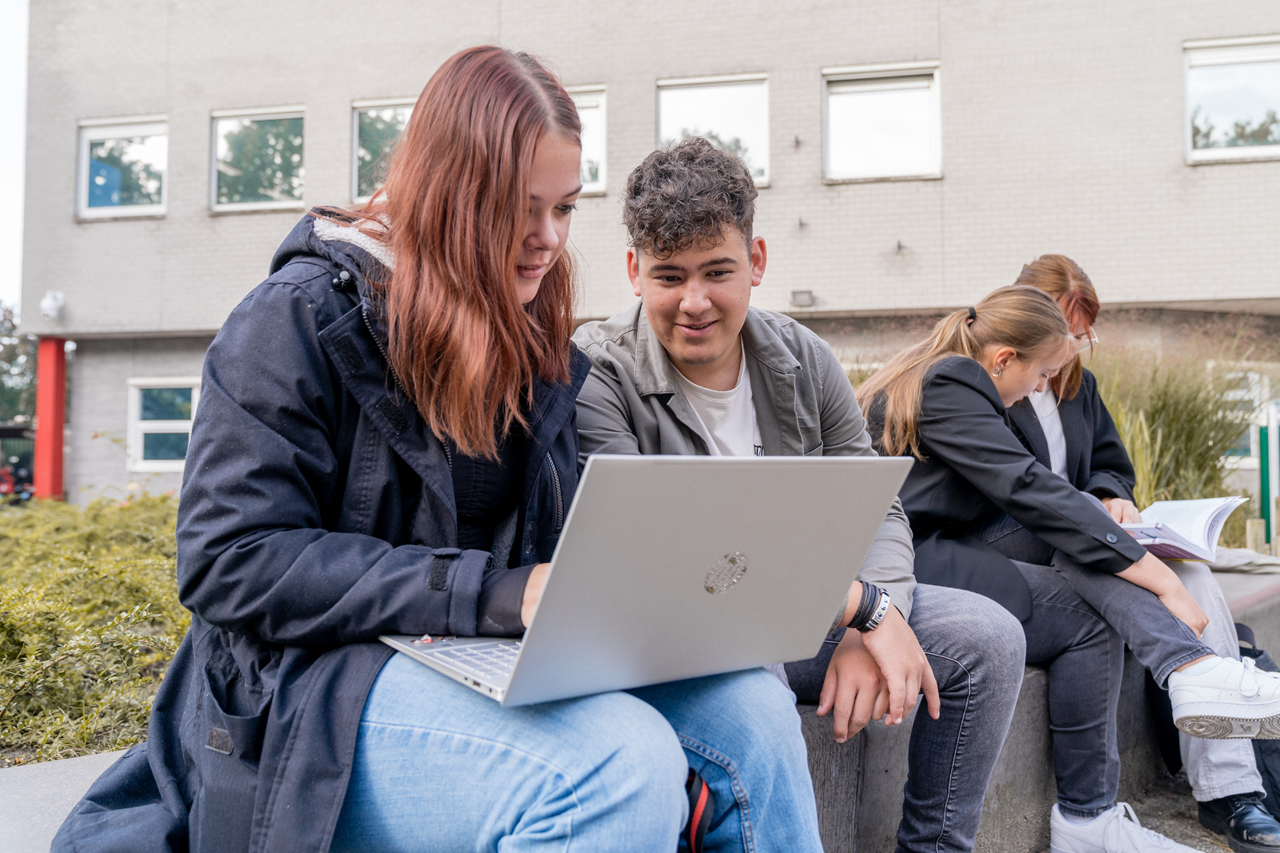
{"points": [[976, 468], [1097, 462]]}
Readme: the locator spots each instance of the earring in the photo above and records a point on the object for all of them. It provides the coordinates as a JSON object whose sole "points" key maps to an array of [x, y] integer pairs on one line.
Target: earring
{"points": [[997, 372]]}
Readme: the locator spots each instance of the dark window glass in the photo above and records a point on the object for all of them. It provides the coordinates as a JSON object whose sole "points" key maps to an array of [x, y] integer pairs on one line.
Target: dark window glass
{"points": [[166, 404], [164, 445]]}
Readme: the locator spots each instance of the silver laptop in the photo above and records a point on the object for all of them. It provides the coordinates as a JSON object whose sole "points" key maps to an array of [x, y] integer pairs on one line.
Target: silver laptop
{"points": [[673, 567]]}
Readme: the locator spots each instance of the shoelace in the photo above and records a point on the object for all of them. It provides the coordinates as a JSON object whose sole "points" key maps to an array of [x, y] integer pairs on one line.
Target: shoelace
{"points": [[1249, 685], [1138, 831]]}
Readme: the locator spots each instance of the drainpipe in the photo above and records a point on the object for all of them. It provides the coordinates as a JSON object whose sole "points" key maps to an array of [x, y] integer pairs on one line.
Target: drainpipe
{"points": [[51, 416]]}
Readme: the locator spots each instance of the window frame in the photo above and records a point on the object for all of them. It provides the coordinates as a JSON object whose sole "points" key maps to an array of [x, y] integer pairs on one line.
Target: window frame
{"points": [[883, 71], [138, 428], [358, 107], [1202, 53], [761, 77], [108, 128], [255, 114], [598, 91]]}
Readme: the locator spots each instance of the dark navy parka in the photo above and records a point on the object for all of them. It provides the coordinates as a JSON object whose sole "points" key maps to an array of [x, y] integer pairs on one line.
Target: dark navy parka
{"points": [[317, 512]]}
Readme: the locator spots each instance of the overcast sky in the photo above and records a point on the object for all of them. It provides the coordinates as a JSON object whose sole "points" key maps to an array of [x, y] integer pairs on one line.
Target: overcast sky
{"points": [[13, 129]]}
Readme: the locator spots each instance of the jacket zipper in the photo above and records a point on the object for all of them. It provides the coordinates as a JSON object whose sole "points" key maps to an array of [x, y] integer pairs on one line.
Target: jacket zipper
{"points": [[555, 481], [364, 315]]}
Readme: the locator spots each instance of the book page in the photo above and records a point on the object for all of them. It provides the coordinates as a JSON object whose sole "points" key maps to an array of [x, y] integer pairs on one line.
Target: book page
{"points": [[1180, 530], [1193, 519]]}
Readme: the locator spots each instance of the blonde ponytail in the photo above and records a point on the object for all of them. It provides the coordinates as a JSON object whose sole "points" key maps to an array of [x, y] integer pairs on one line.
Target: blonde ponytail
{"points": [[1021, 317]]}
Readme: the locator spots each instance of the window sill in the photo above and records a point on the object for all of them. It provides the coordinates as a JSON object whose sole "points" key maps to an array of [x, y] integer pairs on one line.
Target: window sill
{"points": [[1251, 157], [264, 207], [118, 217], [831, 182], [157, 467]]}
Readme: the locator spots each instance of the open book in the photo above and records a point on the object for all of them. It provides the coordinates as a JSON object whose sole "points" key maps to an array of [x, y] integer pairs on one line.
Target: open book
{"points": [[1183, 530]]}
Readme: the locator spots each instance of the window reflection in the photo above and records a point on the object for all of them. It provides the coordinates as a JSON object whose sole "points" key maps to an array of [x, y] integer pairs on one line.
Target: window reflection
{"points": [[259, 160], [376, 133], [880, 128], [1234, 105], [166, 404], [591, 112], [733, 116], [125, 172]]}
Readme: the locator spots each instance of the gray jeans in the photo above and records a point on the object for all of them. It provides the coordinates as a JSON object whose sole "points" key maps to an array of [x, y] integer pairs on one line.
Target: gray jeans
{"points": [[1080, 622], [976, 650]]}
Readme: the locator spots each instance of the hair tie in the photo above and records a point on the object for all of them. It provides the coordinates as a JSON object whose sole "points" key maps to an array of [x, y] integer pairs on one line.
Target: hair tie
{"points": [[973, 315]]}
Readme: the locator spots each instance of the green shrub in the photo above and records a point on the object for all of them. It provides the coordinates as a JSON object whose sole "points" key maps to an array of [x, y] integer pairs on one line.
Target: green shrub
{"points": [[89, 618], [1177, 418]]}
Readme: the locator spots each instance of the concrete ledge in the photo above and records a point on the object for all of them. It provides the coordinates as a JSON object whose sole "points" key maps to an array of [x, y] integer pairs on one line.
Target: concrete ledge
{"points": [[872, 768], [35, 799]]}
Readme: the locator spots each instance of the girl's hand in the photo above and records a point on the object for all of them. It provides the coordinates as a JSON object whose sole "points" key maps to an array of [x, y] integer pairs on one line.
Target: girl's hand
{"points": [[533, 591], [1122, 511], [1182, 605], [1154, 576]]}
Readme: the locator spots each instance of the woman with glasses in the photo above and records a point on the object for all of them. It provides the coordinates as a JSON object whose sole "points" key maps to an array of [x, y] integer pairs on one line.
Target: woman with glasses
{"points": [[1070, 431], [987, 516]]}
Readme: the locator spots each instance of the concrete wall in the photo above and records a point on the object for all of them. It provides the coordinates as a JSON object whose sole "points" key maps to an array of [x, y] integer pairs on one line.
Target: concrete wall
{"points": [[1061, 131], [96, 464]]}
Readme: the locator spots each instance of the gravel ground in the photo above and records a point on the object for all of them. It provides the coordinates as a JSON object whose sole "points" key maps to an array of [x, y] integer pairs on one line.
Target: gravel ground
{"points": [[1168, 808]]}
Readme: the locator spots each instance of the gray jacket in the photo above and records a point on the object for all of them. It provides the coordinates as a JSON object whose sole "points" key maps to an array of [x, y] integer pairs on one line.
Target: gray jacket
{"points": [[631, 403]]}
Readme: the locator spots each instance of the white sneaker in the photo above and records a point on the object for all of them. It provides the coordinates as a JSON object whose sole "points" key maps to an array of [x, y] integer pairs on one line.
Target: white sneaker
{"points": [[1114, 831], [1233, 699]]}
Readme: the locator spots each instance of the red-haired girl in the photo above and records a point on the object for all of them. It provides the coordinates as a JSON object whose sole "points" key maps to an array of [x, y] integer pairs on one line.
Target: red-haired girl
{"points": [[386, 444]]}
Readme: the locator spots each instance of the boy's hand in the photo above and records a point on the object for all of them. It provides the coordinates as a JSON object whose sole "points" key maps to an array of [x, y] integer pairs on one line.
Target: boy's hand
{"points": [[904, 666]]}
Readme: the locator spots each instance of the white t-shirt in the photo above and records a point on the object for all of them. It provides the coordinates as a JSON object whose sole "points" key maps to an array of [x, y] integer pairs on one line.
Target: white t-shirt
{"points": [[728, 416], [1046, 406]]}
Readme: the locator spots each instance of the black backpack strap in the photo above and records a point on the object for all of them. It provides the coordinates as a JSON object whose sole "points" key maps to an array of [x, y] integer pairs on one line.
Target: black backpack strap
{"points": [[701, 807], [1245, 633]]}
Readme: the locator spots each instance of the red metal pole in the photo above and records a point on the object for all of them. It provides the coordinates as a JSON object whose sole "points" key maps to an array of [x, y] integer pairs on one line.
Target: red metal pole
{"points": [[51, 415]]}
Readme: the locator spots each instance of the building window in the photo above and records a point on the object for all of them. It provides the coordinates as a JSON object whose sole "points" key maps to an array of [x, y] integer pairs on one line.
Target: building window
{"points": [[257, 160], [590, 101], [732, 113], [160, 413], [1233, 99], [376, 125], [882, 123], [122, 167]]}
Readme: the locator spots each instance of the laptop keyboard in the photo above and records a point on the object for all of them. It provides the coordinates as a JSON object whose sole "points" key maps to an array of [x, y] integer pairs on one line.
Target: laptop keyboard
{"points": [[491, 662]]}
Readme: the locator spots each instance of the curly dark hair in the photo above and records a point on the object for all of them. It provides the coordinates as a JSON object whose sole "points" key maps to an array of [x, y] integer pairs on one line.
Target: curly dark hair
{"points": [[681, 197]]}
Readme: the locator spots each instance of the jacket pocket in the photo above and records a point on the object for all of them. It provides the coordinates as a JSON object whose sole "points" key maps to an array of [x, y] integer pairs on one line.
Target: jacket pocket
{"points": [[233, 721]]}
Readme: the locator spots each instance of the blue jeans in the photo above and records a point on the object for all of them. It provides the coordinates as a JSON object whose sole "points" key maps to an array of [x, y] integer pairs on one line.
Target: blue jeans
{"points": [[440, 767], [976, 650], [1080, 622]]}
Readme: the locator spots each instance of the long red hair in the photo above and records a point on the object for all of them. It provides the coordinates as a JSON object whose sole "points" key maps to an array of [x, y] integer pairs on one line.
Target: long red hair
{"points": [[1062, 278], [453, 212]]}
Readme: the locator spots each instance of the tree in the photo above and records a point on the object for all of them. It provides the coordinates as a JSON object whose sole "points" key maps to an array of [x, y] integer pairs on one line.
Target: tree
{"points": [[124, 180], [17, 370], [263, 162], [379, 130], [1266, 133]]}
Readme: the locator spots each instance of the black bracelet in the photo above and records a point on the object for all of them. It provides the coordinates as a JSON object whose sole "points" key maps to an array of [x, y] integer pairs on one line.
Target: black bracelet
{"points": [[866, 606], [882, 608]]}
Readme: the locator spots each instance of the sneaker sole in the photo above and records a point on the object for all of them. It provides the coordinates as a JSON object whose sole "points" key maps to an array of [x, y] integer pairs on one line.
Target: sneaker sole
{"points": [[1213, 823], [1213, 727]]}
